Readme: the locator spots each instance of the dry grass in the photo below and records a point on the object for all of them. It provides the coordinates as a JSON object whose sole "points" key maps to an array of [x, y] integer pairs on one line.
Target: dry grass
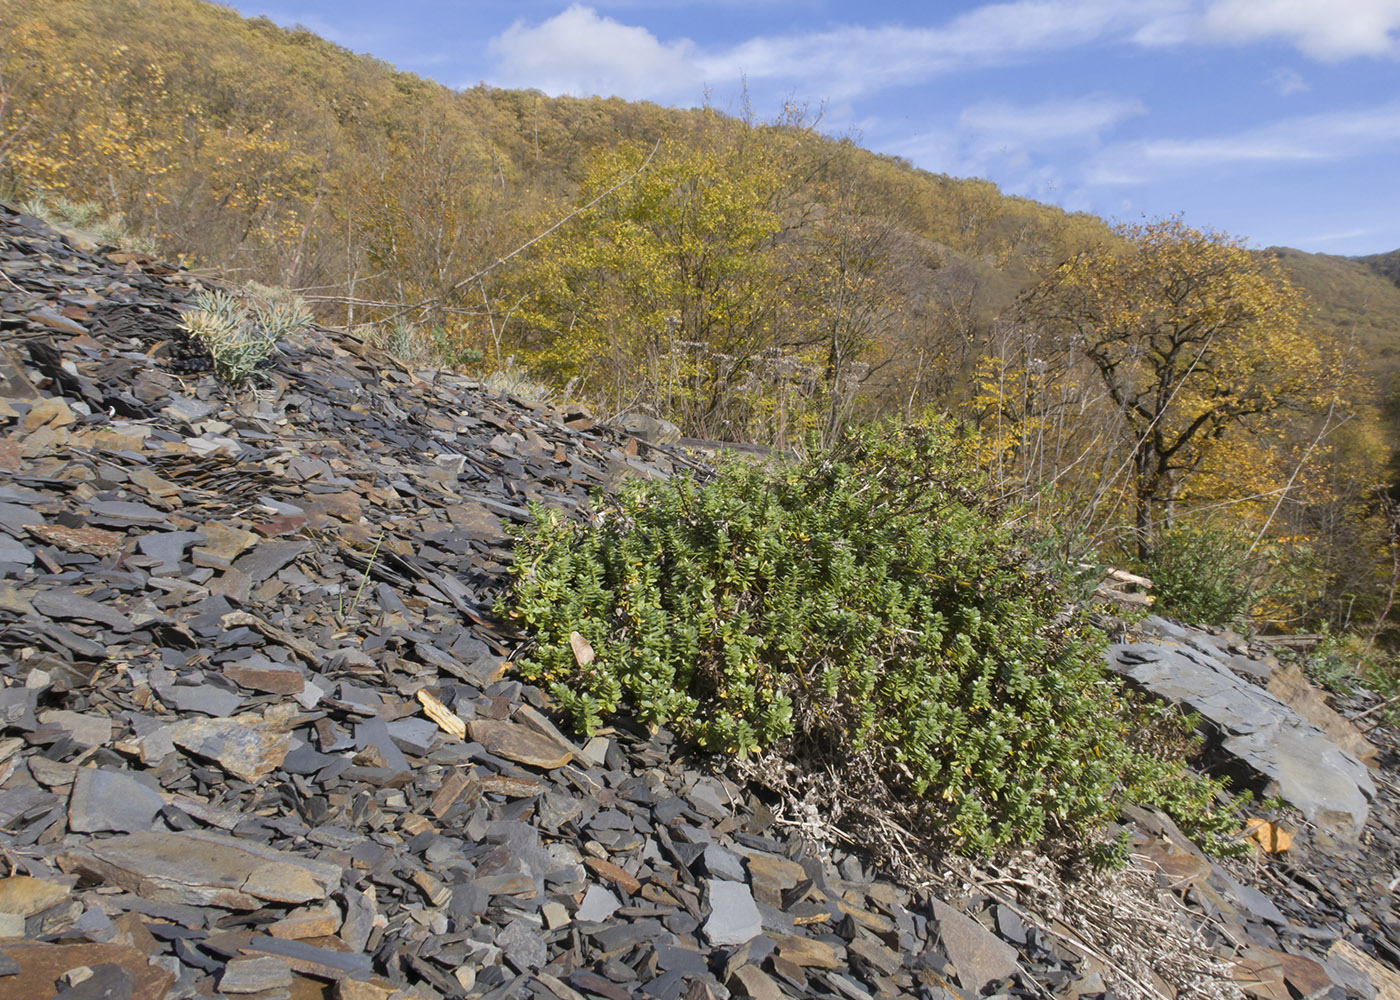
{"points": [[1136, 934]]}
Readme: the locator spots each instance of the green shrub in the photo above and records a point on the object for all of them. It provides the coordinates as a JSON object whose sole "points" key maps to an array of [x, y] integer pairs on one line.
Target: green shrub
{"points": [[863, 605], [1342, 662], [1203, 575], [241, 331], [1337, 662]]}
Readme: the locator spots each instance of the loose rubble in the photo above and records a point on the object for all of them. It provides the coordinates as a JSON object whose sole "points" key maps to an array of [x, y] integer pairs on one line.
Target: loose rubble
{"points": [[259, 736]]}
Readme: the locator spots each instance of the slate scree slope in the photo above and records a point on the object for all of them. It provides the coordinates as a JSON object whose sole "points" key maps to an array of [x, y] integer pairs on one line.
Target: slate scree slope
{"points": [[259, 736]]}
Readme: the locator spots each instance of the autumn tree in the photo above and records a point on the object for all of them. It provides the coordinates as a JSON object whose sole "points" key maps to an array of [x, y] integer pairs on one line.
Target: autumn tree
{"points": [[1192, 336], [423, 210], [665, 292], [96, 129]]}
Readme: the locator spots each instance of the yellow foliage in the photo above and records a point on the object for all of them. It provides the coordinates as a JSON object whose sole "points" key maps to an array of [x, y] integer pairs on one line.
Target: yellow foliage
{"points": [[665, 290], [1192, 336]]}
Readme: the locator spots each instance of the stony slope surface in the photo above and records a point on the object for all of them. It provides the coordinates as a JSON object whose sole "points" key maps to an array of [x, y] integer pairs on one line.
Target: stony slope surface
{"points": [[258, 735]]}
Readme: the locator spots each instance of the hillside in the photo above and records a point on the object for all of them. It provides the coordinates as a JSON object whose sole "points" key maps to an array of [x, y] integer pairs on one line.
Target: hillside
{"points": [[1387, 265], [209, 82], [260, 733], [748, 279], [1356, 302], [294, 162]]}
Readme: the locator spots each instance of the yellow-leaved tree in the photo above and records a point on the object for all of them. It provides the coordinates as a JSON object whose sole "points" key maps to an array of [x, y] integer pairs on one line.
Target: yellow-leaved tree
{"points": [[1192, 336], [666, 291], [98, 129]]}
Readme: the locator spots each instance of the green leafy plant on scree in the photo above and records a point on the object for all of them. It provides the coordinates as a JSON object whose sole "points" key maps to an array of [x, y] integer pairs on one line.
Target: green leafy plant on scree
{"points": [[866, 602]]}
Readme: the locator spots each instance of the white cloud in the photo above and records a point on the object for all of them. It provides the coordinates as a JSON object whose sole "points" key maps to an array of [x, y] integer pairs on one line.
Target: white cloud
{"points": [[1286, 81], [1017, 143], [1343, 236], [1328, 30], [1313, 138], [1322, 29], [1078, 118], [580, 52], [854, 60]]}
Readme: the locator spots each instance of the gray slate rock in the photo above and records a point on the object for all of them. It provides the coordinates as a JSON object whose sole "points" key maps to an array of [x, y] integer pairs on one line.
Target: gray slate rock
{"points": [[111, 801], [12, 551], [267, 558], [734, 916], [523, 946], [650, 429], [168, 546], [66, 605], [978, 955], [1327, 784], [108, 981], [598, 904], [122, 513], [254, 975], [720, 863], [708, 797]]}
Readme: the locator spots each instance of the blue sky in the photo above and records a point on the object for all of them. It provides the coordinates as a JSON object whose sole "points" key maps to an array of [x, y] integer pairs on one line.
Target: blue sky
{"points": [[1275, 120]]}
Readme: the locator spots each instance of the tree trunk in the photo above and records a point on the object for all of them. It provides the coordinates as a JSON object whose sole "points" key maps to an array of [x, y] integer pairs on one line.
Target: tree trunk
{"points": [[1146, 488]]}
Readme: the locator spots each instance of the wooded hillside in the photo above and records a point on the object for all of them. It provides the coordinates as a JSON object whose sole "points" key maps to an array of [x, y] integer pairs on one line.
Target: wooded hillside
{"points": [[751, 280]]}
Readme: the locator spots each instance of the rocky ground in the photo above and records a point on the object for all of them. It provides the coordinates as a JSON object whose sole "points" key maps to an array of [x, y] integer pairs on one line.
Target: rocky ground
{"points": [[259, 736]]}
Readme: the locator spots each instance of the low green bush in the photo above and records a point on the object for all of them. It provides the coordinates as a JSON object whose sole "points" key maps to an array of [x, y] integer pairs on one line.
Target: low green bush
{"points": [[864, 605], [1203, 575], [1343, 662]]}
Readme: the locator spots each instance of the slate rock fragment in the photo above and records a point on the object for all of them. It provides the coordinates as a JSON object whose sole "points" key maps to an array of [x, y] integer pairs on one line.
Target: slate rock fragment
{"points": [[168, 547], [519, 743], [201, 868], [67, 605], [120, 801], [254, 975], [314, 960], [733, 915], [85, 730], [978, 955], [598, 904], [42, 964], [272, 679], [25, 896], [523, 946], [751, 981], [246, 746], [1329, 785], [14, 551], [267, 558], [91, 541]]}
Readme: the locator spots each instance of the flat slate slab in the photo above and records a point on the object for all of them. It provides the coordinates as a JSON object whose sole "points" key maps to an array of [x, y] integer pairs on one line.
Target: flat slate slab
{"points": [[245, 745], [734, 917], [41, 965], [978, 955], [112, 800], [26, 896], [204, 869], [1327, 784], [519, 743]]}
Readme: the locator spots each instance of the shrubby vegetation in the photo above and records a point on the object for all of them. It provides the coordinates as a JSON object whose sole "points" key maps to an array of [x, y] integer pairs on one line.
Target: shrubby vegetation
{"points": [[241, 330], [1204, 575], [756, 281], [868, 604]]}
